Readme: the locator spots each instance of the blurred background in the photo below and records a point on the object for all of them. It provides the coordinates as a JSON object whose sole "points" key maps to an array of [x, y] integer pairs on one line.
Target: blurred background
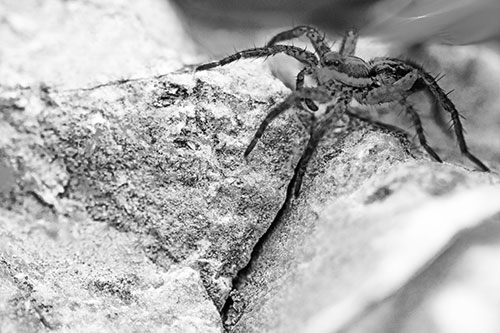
{"points": [[222, 24]]}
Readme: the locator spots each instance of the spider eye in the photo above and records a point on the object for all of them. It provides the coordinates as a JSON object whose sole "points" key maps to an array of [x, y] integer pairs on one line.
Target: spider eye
{"points": [[330, 62]]}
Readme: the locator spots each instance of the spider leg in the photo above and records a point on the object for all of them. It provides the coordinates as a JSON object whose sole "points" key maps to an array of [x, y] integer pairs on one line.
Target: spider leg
{"points": [[449, 107], [440, 96], [396, 91], [299, 84], [396, 65], [307, 58], [417, 122], [377, 123], [420, 132], [349, 42], [436, 110], [300, 168], [316, 94], [399, 91], [316, 38], [438, 115], [318, 131]]}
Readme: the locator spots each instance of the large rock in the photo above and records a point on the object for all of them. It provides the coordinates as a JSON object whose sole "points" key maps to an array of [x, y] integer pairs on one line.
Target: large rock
{"points": [[332, 259], [160, 159]]}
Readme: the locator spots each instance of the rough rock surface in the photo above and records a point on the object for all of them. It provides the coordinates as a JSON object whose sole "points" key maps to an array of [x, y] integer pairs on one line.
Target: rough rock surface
{"points": [[159, 159], [329, 251], [72, 274], [86, 152]]}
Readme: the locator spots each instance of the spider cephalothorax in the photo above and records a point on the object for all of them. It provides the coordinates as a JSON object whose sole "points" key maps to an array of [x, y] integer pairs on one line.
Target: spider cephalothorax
{"points": [[341, 77]]}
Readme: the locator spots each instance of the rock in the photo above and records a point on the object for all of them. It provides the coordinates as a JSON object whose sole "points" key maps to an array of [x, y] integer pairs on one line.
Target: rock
{"points": [[160, 159], [74, 274], [76, 44], [330, 260]]}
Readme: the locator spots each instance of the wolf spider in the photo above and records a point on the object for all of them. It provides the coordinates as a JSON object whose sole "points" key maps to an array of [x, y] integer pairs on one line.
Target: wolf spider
{"points": [[342, 77]]}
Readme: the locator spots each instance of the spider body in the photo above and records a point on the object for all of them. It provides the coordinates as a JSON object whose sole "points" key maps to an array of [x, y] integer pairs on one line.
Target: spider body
{"points": [[341, 78]]}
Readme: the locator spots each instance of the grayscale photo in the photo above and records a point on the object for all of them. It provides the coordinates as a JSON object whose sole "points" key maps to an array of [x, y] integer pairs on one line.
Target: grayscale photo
{"points": [[230, 166]]}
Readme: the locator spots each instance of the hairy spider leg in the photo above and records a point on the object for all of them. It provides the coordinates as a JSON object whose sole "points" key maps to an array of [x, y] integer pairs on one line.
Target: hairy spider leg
{"points": [[420, 86], [438, 115], [448, 106], [348, 47], [317, 132], [436, 111], [443, 101], [317, 94], [377, 123], [300, 168], [420, 132], [316, 38], [299, 84], [416, 121], [349, 42], [399, 91], [307, 58]]}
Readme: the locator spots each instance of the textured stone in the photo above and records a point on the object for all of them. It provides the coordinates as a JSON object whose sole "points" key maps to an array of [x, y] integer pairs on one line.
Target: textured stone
{"points": [[87, 153], [333, 258], [74, 274], [161, 158], [83, 43]]}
